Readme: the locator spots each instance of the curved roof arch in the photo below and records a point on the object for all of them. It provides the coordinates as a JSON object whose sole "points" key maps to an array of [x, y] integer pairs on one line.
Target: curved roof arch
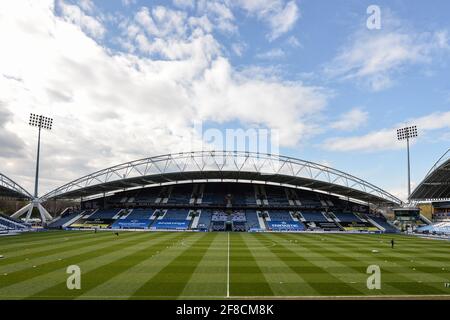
{"points": [[10, 189], [203, 166], [436, 184]]}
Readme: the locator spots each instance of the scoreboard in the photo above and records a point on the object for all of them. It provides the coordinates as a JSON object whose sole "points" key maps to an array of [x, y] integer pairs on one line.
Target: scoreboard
{"points": [[407, 214]]}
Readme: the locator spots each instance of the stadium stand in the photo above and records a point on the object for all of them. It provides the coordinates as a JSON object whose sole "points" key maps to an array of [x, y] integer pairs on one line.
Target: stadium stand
{"points": [[307, 199], [140, 213], [252, 220], [204, 222], [213, 206], [239, 221], [180, 194], [440, 228], [214, 193], [381, 221], [8, 224], [282, 221], [346, 217], [285, 226], [176, 214], [217, 226], [65, 218], [219, 216], [313, 216], [148, 195], [280, 216], [104, 214], [173, 219], [134, 219], [276, 196], [95, 218]]}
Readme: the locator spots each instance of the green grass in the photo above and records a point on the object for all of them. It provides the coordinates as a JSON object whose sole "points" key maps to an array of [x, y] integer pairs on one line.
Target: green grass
{"points": [[171, 265]]}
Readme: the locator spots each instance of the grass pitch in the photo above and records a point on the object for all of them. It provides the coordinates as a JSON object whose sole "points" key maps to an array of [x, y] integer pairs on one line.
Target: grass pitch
{"points": [[173, 265]]}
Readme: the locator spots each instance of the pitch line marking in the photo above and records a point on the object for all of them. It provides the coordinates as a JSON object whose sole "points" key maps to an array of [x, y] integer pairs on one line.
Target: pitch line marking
{"points": [[228, 267]]}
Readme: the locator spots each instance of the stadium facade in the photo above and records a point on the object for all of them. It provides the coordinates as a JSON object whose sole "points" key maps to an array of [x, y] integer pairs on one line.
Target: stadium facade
{"points": [[221, 190], [9, 189], [435, 188]]}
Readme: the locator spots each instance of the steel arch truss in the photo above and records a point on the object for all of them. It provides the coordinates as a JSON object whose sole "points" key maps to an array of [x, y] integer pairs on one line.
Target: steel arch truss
{"points": [[9, 188], [436, 184], [223, 165]]}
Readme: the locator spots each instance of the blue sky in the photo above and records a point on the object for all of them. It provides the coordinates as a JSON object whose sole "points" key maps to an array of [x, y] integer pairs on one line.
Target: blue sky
{"points": [[128, 79]]}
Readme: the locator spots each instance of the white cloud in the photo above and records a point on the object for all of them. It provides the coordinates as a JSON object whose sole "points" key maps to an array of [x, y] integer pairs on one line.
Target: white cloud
{"points": [[374, 141], [294, 42], [162, 22], [77, 16], [11, 145], [225, 95], [112, 107], [280, 16], [386, 139], [220, 13], [374, 58], [87, 5], [351, 120], [271, 54], [238, 48], [283, 21], [127, 3]]}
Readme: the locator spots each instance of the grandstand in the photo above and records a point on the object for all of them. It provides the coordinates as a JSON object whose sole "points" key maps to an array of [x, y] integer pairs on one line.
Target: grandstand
{"points": [[439, 228], [217, 194], [66, 218], [204, 220], [222, 208], [435, 188], [8, 224]]}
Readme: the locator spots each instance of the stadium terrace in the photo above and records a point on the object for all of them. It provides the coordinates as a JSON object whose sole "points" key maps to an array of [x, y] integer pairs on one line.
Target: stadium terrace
{"points": [[223, 191]]}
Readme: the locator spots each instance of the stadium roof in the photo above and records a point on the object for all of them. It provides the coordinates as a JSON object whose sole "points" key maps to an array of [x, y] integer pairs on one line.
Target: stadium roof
{"points": [[208, 166], [436, 184], [10, 189]]}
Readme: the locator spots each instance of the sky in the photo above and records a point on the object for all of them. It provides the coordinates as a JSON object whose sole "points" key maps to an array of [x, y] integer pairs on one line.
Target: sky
{"points": [[129, 79]]}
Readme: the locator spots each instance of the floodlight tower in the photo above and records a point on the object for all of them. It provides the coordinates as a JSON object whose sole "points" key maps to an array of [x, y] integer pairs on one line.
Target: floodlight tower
{"points": [[46, 123], [407, 133], [40, 122]]}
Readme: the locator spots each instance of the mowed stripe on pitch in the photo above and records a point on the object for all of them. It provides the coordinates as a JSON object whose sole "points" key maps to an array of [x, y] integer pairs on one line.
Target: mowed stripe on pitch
{"points": [[269, 256], [314, 272], [18, 283], [92, 242], [50, 248], [96, 271], [342, 262], [156, 265], [410, 267], [404, 283], [124, 284], [246, 278], [22, 241], [171, 280], [210, 276]]}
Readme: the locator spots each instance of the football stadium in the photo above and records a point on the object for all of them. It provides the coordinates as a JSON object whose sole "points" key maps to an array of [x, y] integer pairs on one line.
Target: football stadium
{"points": [[224, 157], [226, 225]]}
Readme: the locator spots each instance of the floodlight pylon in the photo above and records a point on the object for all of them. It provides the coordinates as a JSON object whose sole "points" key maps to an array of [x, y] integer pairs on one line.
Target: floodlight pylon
{"points": [[41, 122], [407, 133]]}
